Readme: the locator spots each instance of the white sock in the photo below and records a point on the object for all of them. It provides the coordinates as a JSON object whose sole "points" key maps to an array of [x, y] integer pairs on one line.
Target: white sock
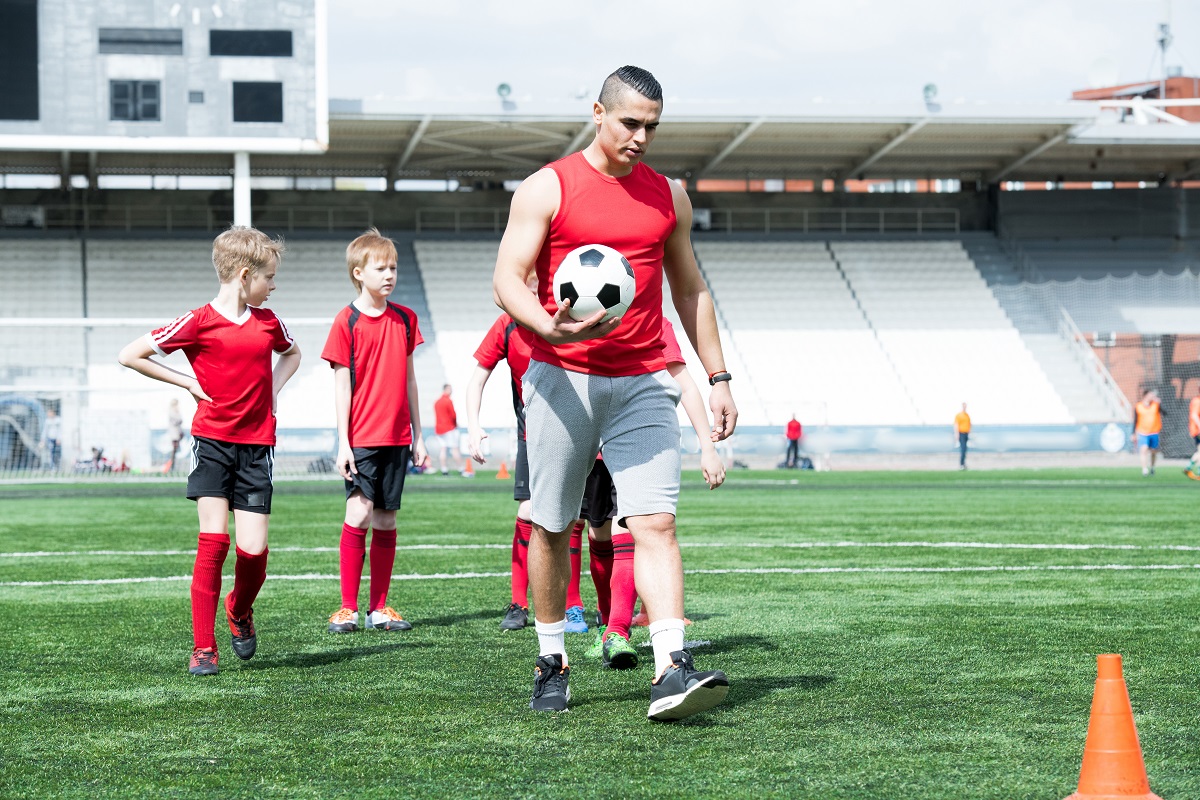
{"points": [[551, 638], [666, 635]]}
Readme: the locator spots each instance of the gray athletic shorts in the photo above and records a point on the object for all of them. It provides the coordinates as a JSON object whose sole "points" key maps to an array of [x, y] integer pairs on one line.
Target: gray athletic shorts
{"points": [[567, 417]]}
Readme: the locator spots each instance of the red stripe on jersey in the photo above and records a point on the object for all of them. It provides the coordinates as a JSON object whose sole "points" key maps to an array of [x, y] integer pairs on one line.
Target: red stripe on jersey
{"points": [[170, 329], [232, 362]]}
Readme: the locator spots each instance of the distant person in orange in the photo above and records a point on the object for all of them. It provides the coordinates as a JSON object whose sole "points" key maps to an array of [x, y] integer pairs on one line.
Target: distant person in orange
{"points": [[962, 432], [1147, 425], [1193, 467], [794, 431], [446, 428]]}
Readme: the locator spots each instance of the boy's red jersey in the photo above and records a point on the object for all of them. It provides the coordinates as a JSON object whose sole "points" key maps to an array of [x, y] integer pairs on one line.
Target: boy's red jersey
{"points": [[670, 345], [507, 341], [376, 351], [232, 362]]}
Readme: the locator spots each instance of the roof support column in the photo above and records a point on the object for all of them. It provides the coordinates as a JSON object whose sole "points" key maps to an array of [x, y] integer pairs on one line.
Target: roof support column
{"points": [[241, 189]]}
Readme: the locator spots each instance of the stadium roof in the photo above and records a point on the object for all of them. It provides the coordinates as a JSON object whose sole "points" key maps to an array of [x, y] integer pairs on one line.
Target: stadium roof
{"points": [[1075, 141]]}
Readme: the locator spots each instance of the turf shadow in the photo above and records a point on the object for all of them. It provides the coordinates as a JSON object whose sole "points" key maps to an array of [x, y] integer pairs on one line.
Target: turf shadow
{"points": [[749, 690], [453, 619], [732, 644], [327, 657]]}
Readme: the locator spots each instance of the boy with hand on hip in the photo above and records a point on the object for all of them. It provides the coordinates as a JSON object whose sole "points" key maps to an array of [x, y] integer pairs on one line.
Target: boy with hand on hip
{"points": [[370, 349], [229, 343]]}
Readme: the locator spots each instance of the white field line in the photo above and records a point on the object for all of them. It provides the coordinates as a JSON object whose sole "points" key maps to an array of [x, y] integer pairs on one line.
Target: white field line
{"points": [[738, 545], [757, 571]]}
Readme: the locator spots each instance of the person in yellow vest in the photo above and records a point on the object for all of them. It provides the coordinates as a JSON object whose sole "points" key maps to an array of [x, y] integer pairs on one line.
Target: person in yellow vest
{"points": [[962, 432], [1147, 425], [1193, 467]]}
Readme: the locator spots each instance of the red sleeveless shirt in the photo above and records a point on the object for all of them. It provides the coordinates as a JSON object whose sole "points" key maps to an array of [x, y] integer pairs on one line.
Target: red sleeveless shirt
{"points": [[635, 215]]}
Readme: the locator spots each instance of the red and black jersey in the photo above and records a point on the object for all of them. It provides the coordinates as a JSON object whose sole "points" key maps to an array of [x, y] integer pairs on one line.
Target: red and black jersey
{"points": [[232, 362], [376, 351], [508, 341]]}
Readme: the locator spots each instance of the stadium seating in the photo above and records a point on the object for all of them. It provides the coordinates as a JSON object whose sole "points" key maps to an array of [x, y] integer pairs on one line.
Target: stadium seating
{"points": [[945, 333], [790, 317], [841, 332], [42, 278]]}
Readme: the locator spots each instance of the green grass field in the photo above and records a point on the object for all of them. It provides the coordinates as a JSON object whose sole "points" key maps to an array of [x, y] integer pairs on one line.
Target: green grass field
{"points": [[887, 635]]}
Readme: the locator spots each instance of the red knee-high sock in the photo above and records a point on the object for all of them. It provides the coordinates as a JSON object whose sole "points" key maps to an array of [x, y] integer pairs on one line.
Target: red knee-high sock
{"points": [[600, 556], [353, 550], [573, 598], [249, 572], [621, 582], [520, 562], [383, 556], [206, 586]]}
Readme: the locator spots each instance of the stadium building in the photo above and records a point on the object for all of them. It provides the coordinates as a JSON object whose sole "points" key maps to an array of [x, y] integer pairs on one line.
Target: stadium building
{"points": [[873, 267]]}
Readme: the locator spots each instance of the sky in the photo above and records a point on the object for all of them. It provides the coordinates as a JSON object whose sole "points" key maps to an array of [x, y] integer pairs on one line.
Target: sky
{"points": [[752, 54]]}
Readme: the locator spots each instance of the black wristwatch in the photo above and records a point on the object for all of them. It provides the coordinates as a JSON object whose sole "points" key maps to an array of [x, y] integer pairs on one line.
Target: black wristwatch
{"points": [[717, 377]]}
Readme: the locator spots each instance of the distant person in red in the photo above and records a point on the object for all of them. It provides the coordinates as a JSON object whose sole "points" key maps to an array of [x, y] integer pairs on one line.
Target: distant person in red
{"points": [[794, 432], [446, 428], [230, 343]]}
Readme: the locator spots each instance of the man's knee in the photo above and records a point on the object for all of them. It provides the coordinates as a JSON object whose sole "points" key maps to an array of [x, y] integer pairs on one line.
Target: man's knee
{"points": [[652, 528]]}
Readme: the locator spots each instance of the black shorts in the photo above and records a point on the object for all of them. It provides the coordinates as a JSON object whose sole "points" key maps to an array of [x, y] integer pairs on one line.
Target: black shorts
{"points": [[380, 477], [241, 473], [599, 496], [521, 472]]}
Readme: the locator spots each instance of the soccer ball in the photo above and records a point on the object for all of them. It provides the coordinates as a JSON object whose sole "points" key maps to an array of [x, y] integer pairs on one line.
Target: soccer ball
{"points": [[594, 278]]}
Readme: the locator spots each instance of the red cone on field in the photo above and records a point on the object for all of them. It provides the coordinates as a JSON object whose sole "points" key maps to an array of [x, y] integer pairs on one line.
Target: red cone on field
{"points": [[503, 475], [1113, 768]]}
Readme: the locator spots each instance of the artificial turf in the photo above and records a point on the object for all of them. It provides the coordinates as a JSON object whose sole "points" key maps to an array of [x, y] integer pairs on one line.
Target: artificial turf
{"points": [[887, 635]]}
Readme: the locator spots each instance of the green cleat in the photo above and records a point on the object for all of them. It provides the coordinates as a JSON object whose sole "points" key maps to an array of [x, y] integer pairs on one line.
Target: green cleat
{"points": [[596, 651], [618, 653]]}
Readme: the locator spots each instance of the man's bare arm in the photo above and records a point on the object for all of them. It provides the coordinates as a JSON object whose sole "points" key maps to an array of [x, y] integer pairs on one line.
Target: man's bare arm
{"points": [[696, 311]]}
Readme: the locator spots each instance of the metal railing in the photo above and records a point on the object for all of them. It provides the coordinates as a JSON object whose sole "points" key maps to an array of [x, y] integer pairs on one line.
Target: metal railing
{"points": [[1102, 380], [179, 217], [736, 220], [175, 217], [835, 220]]}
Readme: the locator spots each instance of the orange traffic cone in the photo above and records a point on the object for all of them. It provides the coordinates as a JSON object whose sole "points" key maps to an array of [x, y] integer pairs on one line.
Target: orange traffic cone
{"points": [[503, 475], [469, 469], [1112, 758]]}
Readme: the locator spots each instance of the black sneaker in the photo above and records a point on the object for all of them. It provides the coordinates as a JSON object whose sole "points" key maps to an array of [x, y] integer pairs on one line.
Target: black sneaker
{"points": [[244, 639], [681, 691], [515, 618], [550, 690]]}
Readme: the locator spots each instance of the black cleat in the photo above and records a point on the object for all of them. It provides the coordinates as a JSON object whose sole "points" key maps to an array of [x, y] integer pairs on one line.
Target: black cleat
{"points": [[244, 639], [681, 691], [550, 690], [515, 618]]}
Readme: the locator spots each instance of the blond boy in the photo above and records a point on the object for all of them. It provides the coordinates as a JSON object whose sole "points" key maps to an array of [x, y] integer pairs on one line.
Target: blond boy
{"points": [[229, 343], [370, 348]]}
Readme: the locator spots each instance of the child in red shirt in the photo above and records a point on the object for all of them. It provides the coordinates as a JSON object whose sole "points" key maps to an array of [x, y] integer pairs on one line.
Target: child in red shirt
{"points": [[370, 349], [228, 343]]}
